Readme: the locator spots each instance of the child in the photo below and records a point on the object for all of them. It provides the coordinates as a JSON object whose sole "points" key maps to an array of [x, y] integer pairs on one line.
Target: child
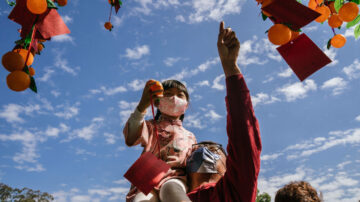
{"points": [[175, 141]]}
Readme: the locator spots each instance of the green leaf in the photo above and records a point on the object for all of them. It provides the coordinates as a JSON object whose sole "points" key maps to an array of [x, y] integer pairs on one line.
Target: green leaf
{"points": [[299, 1], [120, 3], [264, 17], [328, 44], [26, 69], [33, 85], [51, 4], [11, 3], [354, 22], [357, 31], [355, 1], [337, 5]]}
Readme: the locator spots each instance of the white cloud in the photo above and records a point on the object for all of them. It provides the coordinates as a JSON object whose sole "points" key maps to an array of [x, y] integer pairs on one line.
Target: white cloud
{"points": [[353, 70], [269, 157], [63, 38], [194, 121], [206, 10], [68, 111], [47, 75], [180, 18], [350, 32], [138, 52], [212, 115], [286, 73], [216, 83], [136, 85], [87, 132], [67, 19], [201, 68], [357, 118], [108, 91], [297, 90], [343, 164], [146, 6], [127, 105], [203, 83], [54, 132], [62, 63], [337, 85], [117, 21], [110, 138], [263, 98], [331, 53], [11, 112], [170, 61], [55, 93]]}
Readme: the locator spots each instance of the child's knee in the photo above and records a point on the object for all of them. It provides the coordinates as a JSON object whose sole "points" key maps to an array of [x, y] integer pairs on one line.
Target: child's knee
{"points": [[173, 190]]}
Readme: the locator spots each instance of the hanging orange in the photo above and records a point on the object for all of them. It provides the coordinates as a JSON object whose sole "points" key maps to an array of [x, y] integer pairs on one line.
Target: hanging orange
{"points": [[108, 25], [111, 1], [18, 80], [12, 61], [23, 53], [37, 6], [348, 12], [338, 41], [31, 71], [40, 47], [324, 11], [62, 2], [294, 35], [334, 21], [279, 34], [312, 4]]}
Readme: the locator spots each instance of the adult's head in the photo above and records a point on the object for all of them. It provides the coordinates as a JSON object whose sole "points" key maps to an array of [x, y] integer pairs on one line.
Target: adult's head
{"points": [[207, 164], [299, 191], [174, 88]]}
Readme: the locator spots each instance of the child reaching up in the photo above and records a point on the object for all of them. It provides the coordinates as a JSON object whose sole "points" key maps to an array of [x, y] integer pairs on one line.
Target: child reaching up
{"points": [[174, 140]]}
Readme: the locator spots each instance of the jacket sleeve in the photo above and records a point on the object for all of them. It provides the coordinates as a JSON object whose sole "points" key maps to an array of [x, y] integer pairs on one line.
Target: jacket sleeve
{"points": [[136, 126], [244, 142]]}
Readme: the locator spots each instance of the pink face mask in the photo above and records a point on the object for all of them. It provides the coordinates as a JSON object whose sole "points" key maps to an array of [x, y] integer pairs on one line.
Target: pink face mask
{"points": [[172, 106]]}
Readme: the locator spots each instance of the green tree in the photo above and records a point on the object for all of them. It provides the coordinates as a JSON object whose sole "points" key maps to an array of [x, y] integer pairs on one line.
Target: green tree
{"points": [[8, 194], [264, 197]]}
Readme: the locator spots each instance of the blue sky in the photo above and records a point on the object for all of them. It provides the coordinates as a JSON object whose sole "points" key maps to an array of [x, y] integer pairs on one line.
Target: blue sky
{"points": [[67, 139]]}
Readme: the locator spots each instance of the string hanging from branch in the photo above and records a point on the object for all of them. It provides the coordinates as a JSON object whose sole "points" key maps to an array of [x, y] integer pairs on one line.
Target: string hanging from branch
{"points": [[113, 3]]}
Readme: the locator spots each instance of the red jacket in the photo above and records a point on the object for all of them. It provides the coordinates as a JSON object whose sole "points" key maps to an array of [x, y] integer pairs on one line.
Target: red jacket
{"points": [[244, 146]]}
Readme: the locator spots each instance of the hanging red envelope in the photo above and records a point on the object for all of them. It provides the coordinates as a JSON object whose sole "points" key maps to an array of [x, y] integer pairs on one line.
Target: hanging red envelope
{"points": [[303, 56], [292, 12], [147, 172], [52, 25]]}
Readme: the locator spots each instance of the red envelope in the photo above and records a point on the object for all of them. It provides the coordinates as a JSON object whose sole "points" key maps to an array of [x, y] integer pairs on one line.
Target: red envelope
{"points": [[147, 172], [52, 25], [303, 56], [292, 12]]}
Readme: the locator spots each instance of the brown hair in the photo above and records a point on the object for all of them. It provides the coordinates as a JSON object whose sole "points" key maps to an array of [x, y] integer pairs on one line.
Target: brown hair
{"points": [[299, 191]]}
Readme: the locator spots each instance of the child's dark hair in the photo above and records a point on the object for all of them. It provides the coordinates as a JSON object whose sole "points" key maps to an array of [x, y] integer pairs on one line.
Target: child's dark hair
{"points": [[173, 84]]}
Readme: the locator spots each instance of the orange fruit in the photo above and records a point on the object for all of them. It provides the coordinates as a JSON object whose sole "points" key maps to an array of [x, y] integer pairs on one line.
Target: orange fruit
{"points": [[40, 47], [294, 35], [108, 25], [42, 40], [279, 34], [324, 11], [12, 61], [36, 6], [23, 53], [157, 88], [334, 21], [348, 11], [312, 4], [265, 3], [332, 7], [31, 71], [62, 2], [18, 80], [111, 1], [318, 2], [338, 41]]}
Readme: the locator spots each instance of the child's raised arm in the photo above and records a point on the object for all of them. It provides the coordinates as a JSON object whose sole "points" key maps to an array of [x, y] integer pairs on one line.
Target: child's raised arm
{"points": [[134, 124]]}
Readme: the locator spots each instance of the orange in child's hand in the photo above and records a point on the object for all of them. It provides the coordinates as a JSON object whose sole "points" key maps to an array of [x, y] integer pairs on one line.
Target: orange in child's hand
{"points": [[18, 80], [348, 12], [62, 2], [334, 21], [279, 34], [338, 41], [31, 71], [23, 53], [13, 61], [325, 13], [37, 6], [156, 87]]}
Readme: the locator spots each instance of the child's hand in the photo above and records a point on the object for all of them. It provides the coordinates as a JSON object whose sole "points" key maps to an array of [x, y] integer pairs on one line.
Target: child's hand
{"points": [[152, 89]]}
